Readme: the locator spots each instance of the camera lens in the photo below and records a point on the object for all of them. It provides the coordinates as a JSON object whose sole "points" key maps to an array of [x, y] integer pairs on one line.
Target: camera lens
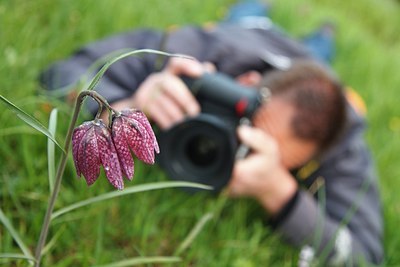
{"points": [[201, 150]]}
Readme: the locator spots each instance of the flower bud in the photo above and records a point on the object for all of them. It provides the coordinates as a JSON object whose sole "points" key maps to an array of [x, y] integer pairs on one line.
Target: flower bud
{"points": [[132, 131], [92, 146]]}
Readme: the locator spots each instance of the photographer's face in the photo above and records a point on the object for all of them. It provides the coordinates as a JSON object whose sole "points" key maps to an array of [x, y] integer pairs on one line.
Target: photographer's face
{"points": [[275, 119]]}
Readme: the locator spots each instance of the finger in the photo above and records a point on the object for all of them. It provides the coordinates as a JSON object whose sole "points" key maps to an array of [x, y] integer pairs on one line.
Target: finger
{"points": [[237, 184], [169, 107], [165, 111], [257, 140], [184, 66], [178, 92], [148, 90], [158, 116], [209, 67]]}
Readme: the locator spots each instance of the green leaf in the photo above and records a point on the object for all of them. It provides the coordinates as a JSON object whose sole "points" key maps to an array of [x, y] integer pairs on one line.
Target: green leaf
{"points": [[194, 233], [29, 120], [7, 224], [141, 261], [130, 190], [51, 149]]}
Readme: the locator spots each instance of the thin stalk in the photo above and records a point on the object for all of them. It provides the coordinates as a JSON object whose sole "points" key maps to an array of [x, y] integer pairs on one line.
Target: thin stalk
{"points": [[99, 111], [102, 101], [61, 167], [60, 171]]}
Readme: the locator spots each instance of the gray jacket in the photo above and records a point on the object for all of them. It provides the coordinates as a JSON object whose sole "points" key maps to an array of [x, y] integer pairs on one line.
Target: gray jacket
{"points": [[336, 215]]}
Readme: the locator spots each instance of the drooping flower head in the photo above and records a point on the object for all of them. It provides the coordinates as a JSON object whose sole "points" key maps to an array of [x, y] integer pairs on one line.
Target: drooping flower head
{"points": [[131, 131], [92, 146]]}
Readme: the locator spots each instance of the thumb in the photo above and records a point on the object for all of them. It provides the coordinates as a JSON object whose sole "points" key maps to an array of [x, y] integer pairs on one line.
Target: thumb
{"points": [[256, 139]]}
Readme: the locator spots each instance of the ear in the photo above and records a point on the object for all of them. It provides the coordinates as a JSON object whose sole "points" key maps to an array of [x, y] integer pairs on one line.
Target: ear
{"points": [[250, 78]]}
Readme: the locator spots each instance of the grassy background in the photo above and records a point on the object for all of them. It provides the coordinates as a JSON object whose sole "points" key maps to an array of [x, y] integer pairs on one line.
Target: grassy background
{"points": [[35, 33]]}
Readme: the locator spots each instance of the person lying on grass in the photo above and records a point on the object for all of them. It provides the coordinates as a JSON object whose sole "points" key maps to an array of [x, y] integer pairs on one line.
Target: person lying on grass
{"points": [[309, 166]]}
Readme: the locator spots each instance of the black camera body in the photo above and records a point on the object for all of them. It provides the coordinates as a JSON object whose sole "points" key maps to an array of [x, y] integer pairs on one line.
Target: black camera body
{"points": [[202, 149]]}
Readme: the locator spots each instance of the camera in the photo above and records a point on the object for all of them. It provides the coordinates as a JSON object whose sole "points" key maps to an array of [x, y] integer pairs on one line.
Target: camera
{"points": [[202, 149]]}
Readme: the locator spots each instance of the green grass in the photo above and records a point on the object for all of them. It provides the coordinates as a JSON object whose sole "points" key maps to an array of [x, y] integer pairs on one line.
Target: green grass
{"points": [[34, 34]]}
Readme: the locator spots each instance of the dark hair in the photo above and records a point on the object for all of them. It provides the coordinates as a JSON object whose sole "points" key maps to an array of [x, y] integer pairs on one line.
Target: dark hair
{"points": [[317, 96]]}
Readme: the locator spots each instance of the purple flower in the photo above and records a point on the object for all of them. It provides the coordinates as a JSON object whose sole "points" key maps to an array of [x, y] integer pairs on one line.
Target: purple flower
{"points": [[132, 131], [92, 146]]}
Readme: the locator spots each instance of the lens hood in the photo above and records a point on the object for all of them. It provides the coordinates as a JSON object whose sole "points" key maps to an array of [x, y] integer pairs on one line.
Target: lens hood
{"points": [[200, 149]]}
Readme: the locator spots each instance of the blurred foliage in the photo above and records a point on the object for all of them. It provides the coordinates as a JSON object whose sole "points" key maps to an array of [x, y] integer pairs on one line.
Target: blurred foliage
{"points": [[33, 34]]}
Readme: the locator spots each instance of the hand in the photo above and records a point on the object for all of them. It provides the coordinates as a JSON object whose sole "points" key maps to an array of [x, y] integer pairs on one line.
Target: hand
{"points": [[261, 175], [164, 97]]}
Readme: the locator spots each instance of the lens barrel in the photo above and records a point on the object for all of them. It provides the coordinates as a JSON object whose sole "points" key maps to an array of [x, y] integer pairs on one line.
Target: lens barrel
{"points": [[199, 150]]}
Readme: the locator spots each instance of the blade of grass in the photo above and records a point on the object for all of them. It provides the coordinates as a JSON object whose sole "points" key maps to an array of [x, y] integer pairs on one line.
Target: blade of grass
{"points": [[83, 80], [28, 119], [350, 212], [7, 224], [16, 256], [141, 260], [99, 246], [131, 190], [193, 234], [51, 149], [17, 130], [13, 194], [321, 193], [53, 240], [101, 72]]}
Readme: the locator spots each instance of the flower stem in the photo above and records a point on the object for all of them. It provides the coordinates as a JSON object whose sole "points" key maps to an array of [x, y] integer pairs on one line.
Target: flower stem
{"points": [[60, 172], [101, 100], [61, 167]]}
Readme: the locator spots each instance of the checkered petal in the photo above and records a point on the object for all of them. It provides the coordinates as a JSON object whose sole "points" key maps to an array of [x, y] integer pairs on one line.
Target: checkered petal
{"points": [[92, 146], [142, 119], [85, 152], [89, 158], [77, 138], [108, 156], [139, 135], [124, 154]]}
